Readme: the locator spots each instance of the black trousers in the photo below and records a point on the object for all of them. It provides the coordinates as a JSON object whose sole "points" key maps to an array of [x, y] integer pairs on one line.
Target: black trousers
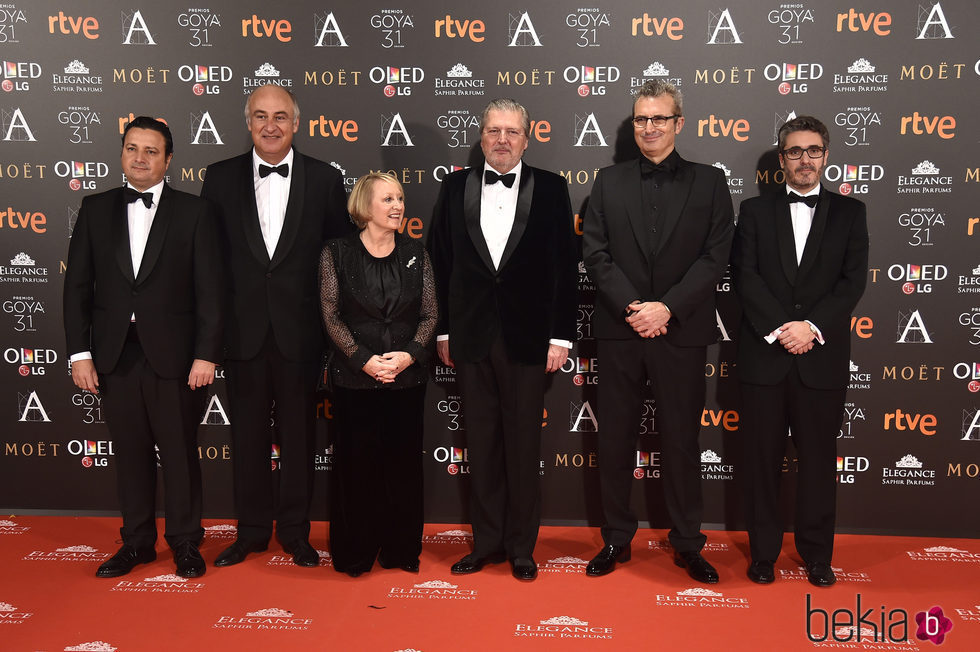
{"points": [[270, 394], [142, 410], [376, 481], [676, 375], [814, 416], [503, 403]]}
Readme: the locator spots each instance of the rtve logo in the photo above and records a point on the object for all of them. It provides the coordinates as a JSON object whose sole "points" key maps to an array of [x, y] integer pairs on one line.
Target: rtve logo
{"points": [[262, 28], [11, 219], [856, 21], [325, 127], [943, 126], [452, 28], [899, 420], [722, 128], [86, 25], [646, 25]]}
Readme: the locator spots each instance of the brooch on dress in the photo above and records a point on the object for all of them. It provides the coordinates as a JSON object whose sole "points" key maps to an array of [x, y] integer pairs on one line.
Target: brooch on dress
{"points": [[411, 262]]}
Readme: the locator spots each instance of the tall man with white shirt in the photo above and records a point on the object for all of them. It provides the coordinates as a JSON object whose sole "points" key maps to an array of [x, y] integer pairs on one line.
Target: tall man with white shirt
{"points": [[504, 258], [799, 266], [276, 208], [143, 325]]}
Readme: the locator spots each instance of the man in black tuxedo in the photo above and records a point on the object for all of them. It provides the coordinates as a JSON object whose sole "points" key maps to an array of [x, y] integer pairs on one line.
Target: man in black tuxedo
{"points": [[799, 264], [143, 321], [657, 236], [276, 207], [503, 255]]}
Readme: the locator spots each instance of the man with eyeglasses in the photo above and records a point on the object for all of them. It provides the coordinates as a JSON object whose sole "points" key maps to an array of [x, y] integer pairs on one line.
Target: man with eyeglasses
{"points": [[504, 259], [657, 236], [799, 265], [276, 208]]}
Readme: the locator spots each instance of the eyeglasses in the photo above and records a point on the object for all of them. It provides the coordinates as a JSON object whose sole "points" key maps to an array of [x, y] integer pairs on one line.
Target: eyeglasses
{"points": [[640, 121], [794, 153], [511, 134]]}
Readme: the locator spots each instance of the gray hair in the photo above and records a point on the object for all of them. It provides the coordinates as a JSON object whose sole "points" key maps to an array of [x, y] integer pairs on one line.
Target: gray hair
{"points": [[248, 101], [658, 88], [506, 104]]}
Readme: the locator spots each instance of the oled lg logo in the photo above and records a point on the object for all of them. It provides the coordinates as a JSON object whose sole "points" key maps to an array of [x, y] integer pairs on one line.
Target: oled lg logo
{"points": [[397, 80], [865, 625], [792, 77], [204, 79], [647, 465], [854, 178], [456, 459], [81, 174], [17, 75], [200, 24], [30, 362], [917, 278], [849, 466], [591, 79], [970, 372]]}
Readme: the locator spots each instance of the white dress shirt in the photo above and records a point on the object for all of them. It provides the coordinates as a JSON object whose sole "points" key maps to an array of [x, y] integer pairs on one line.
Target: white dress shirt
{"points": [[271, 196], [140, 220], [802, 218]]}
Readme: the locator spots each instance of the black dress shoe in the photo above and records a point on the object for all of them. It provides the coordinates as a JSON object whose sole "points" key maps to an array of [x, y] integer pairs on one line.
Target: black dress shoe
{"points": [[189, 561], [472, 563], [303, 553], [606, 560], [820, 574], [524, 568], [762, 572], [408, 567], [697, 567], [124, 560], [236, 552]]}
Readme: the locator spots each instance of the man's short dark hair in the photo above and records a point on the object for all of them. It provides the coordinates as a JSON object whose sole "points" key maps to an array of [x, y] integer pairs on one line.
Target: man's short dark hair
{"points": [[803, 123], [146, 122]]}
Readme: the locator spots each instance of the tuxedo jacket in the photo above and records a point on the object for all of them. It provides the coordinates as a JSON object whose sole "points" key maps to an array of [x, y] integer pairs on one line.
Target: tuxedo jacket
{"points": [[690, 259], [359, 328], [532, 296], [278, 293], [177, 296], [823, 288]]}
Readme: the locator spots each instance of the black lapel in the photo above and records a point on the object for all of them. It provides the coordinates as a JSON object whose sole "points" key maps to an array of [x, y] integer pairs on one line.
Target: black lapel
{"points": [[681, 187], [522, 212], [120, 234], [815, 236], [157, 235], [294, 210], [250, 218], [631, 187], [472, 193], [784, 235]]}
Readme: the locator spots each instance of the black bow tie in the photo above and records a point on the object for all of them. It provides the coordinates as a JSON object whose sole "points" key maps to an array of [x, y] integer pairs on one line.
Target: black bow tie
{"points": [[648, 167], [809, 200], [266, 170], [132, 195], [491, 177]]}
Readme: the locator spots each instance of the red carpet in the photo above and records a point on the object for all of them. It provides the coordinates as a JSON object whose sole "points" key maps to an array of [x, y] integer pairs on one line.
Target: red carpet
{"points": [[50, 599]]}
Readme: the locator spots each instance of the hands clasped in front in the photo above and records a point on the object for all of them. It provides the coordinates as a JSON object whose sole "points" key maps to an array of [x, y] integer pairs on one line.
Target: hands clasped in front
{"points": [[385, 367], [648, 318], [796, 337]]}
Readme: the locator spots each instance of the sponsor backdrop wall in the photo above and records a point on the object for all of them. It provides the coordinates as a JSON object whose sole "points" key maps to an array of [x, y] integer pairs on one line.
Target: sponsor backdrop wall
{"points": [[399, 86]]}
